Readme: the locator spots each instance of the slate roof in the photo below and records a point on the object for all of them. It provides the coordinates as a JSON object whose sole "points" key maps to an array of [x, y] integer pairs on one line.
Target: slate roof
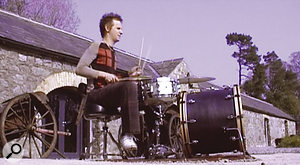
{"points": [[27, 33], [22, 32], [256, 105], [165, 68], [125, 61]]}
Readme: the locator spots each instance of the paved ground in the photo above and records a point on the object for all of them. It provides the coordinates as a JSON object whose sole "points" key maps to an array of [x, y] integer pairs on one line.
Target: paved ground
{"points": [[257, 159]]}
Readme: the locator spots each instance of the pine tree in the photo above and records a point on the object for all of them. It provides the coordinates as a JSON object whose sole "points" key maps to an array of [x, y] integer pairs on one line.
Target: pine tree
{"points": [[282, 85], [247, 52]]}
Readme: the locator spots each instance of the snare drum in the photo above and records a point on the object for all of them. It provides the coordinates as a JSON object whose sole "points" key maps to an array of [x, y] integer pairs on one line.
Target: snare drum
{"points": [[164, 88], [211, 121]]}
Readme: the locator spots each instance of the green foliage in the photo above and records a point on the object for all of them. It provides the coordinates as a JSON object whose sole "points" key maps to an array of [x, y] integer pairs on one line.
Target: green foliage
{"points": [[295, 63], [256, 86], [246, 54], [272, 81], [282, 85], [290, 141]]}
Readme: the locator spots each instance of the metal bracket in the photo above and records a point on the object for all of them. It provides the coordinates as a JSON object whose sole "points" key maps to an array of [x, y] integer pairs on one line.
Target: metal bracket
{"points": [[191, 101], [191, 121]]}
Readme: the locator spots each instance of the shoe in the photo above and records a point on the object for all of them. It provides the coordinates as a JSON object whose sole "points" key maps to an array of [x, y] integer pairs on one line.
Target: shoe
{"points": [[127, 142]]}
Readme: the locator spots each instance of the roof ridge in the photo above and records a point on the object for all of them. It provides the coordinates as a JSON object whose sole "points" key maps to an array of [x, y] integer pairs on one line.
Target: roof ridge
{"points": [[42, 24], [171, 60], [259, 100], [132, 55]]}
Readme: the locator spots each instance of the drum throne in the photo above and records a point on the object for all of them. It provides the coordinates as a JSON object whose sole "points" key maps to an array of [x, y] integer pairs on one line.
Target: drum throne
{"points": [[101, 116]]}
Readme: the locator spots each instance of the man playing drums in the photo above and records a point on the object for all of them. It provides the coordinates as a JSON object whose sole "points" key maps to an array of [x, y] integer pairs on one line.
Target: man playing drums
{"points": [[98, 64]]}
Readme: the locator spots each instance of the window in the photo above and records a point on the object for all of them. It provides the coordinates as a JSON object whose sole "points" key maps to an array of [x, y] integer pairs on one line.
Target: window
{"points": [[286, 127]]}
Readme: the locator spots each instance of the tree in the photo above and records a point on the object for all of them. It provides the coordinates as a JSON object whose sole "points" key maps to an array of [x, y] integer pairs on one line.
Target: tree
{"points": [[56, 13], [247, 52], [282, 85], [295, 63], [255, 86]]}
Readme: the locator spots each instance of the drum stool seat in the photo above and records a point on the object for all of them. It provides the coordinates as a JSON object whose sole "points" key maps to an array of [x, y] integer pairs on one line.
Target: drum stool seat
{"points": [[102, 115]]}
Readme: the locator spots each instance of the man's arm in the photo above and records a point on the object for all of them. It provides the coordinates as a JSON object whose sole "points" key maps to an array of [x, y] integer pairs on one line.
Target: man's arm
{"points": [[83, 67]]}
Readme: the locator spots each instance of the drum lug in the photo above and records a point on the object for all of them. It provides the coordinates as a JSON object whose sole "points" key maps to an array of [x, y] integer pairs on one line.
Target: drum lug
{"points": [[233, 138], [191, 101], [191, 121], [230, 117], [193, 142], [229, 97]]}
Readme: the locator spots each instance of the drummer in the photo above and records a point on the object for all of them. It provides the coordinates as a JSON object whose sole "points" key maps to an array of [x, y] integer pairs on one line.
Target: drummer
{"points": [[98, 64]]}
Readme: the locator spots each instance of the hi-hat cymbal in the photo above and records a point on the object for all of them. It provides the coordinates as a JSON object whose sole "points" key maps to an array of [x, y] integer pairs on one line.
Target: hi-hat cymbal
{"points": [[139, 78], [188, 80]]}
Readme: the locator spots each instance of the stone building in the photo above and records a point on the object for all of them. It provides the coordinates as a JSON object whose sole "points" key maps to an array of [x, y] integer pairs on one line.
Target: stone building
{"points": [[37, 57]]}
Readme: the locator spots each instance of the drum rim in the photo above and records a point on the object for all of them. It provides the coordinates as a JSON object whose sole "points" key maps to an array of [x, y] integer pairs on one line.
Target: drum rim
{"points": [[184, 126]]}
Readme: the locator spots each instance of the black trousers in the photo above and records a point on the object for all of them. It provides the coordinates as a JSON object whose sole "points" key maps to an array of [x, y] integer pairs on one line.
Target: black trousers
{"points": [[122, 94]]}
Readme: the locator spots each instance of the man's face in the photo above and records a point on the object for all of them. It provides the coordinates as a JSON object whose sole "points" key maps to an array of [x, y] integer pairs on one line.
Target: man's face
{"points": [[116, 31]]}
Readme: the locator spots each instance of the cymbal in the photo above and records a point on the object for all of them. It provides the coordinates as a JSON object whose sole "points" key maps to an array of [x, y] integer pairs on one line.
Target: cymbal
{"points": [[139, 78], [188, 80]]}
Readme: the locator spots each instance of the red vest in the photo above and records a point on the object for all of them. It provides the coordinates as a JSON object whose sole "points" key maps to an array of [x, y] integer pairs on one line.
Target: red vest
{"points": [[106, 62]]}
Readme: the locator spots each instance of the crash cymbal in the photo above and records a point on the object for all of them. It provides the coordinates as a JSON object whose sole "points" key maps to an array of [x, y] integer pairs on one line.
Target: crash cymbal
{"points": [[188, 80], [139, 78]]}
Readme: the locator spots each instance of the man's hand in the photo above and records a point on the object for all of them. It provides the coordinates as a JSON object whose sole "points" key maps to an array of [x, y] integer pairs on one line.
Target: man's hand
{"points": [[135, 71], [110, 78]]}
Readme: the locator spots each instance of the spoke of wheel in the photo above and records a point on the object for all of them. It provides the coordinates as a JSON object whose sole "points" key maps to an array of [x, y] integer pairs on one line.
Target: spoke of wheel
{"points": [[25, 133], [34, 117], [29, 110], [14, 123], [15, 132], [25, 141], [45, 125], [26, 119], [48, 145], [36, 145], [42, 116], [17, 116], [29, 146]]}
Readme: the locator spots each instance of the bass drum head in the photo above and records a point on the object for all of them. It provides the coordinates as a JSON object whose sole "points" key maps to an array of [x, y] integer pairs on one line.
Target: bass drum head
{"points": [[211, 122]]}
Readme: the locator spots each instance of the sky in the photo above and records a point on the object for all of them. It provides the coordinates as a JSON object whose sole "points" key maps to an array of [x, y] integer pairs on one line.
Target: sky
{"points": [[196, 29]]}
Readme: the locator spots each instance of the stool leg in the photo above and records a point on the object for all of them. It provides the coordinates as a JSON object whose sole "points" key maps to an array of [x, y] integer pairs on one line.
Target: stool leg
{"points": [[97, 133], [105, 131], [122, 152]]}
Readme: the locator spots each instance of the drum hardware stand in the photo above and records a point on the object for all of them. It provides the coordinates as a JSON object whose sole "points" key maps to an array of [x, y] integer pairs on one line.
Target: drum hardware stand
{"points": [[158, 150], [240, 138]]}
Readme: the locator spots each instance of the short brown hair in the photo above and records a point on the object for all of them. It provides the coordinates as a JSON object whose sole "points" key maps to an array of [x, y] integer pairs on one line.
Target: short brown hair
{"points": [[107, 19]]}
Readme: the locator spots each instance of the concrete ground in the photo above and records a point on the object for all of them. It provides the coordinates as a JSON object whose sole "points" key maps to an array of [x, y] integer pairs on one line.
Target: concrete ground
{"points": [[255, 159]]}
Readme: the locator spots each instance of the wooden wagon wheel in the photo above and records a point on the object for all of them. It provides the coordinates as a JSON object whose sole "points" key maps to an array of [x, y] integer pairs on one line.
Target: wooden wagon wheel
{"points": [[30, 122], [174, 132]]}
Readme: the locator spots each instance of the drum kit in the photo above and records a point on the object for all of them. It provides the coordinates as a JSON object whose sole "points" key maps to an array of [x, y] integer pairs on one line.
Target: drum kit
{"points": [[174, 121]]}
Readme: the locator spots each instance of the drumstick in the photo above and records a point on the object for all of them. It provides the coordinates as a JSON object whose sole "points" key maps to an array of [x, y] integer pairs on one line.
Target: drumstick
{"points": [[147, 56], [141, 52]]}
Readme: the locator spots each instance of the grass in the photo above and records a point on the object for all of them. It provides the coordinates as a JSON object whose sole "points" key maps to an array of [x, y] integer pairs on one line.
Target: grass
{"points": [[290, 141]]}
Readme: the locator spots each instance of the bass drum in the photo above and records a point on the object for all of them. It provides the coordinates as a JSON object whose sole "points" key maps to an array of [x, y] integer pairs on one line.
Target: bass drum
{"points": [[211, 121]]}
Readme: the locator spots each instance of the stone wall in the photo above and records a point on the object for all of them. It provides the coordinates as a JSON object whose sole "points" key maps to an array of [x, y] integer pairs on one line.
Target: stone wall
{"points": [[256, 132], [23, 73]]}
